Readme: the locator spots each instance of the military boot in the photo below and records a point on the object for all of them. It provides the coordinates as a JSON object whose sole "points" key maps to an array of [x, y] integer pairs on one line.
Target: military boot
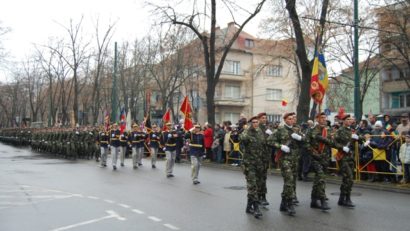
{"points": [[291, 208], [341, 201], [283, 206], [262, 200], [249, 207], [295, 201], [324, 206], [257, 213], [348, 202], [314, 204]]}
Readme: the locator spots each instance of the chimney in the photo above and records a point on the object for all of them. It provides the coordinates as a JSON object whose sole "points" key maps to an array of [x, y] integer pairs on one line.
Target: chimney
{"points": [[231, 24]]}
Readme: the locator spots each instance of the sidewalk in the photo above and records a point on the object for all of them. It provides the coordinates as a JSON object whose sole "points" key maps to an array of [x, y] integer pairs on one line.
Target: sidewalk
{"points": [[390, 187]]}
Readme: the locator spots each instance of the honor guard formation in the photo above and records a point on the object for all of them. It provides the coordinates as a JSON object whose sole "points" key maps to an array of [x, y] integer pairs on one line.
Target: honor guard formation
{"points": [[252, 144]]}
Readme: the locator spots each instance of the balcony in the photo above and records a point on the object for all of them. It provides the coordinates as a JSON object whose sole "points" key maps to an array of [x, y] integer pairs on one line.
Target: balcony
{"points": [[232, 76], [228, 101], [394, 86]]}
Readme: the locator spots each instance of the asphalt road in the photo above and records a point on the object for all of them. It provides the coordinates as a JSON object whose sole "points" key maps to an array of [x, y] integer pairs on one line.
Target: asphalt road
{"points": [[39, 192]]}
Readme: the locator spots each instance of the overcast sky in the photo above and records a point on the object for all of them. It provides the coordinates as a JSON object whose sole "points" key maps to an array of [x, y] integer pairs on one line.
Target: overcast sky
{"points": [[34, 21]]}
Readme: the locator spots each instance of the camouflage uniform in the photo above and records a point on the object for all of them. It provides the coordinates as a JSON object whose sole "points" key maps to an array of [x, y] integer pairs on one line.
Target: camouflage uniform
{"points": [[266, 159], [343, 138], [253, 163], [318, 140], [288, 163]]}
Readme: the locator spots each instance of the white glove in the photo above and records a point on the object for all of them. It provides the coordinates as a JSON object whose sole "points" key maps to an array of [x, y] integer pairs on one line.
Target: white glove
{"points": [[77, 132], [153, 136], [355, 137], [169, 135], [346, 149], [296, 136], [366, 143], [268, 131], [191, 129], [285, 148], [163, 149]]}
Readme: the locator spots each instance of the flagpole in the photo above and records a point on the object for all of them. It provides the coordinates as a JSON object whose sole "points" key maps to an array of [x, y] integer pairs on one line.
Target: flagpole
{"points": [[319, 35]]}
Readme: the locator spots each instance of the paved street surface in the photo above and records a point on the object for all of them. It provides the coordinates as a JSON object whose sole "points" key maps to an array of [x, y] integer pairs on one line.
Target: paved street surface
{"points": [[39, 192]]}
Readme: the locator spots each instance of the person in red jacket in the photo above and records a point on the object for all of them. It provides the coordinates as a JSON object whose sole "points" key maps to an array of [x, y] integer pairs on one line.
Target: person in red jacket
{"points": [[208, 140]]}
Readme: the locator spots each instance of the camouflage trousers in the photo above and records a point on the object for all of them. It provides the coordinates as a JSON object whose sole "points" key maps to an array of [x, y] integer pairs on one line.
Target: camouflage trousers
{"points": [[253, 175], [263, 189], [288, 168], [319, 185], [346, 165]]}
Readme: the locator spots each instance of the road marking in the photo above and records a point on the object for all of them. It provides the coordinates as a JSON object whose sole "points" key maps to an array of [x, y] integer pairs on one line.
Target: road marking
{"points": [[92, 197], [124, 206], [109, 201], [78, 195], [171, 227], [111, 213], [38, 196], [154, 218], [138, 211]]}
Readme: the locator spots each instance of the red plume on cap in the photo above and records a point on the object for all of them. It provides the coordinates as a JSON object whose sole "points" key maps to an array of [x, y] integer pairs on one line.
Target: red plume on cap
{"points": [[341, 113]]}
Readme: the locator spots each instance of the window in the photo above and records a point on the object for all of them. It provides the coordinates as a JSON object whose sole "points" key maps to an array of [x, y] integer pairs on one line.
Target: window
{"points": [[249, 43], [231, 116], [274, 70], [273, 94], [232, 67], [400, 100], [408, 100], [274, 117], [232, 91]]}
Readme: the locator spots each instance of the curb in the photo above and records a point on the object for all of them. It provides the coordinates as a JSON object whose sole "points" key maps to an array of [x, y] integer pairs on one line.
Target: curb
{"points": [[397, 188]]}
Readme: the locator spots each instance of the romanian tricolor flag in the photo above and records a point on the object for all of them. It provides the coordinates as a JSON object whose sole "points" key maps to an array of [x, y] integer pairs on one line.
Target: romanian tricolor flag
{"points": [[107, 120], [186, 110], [319, 81]]}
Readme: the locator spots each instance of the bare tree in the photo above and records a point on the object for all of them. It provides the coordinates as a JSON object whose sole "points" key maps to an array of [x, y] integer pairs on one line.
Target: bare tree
{"points": [[301, 52], [34, 81], [340, 50], [171, 63], [75, 57], [394, 19], [211, 51], [100, 58]]}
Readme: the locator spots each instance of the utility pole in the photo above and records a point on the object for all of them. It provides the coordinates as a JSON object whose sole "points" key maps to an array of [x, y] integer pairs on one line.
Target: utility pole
{"points": [[357, 109], [114, 98]]}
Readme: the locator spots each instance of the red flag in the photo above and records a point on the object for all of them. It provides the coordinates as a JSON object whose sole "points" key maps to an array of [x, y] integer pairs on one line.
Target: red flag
{"points": [[123, 122], [186, 110], [166, 119]]}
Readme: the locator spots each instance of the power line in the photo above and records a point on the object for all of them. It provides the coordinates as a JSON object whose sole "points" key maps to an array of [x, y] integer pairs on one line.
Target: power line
{"points": [[352, 25]]}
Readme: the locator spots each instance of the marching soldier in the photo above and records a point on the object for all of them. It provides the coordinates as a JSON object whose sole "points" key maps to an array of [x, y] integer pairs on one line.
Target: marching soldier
{"points": [[266, 158], [318, 140], [254, 141], [115, 144], [154, 144], [343, 140], [103, 141], [168, 141], [137, 140], [287, 139], [123, 146], [196, 142]]}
